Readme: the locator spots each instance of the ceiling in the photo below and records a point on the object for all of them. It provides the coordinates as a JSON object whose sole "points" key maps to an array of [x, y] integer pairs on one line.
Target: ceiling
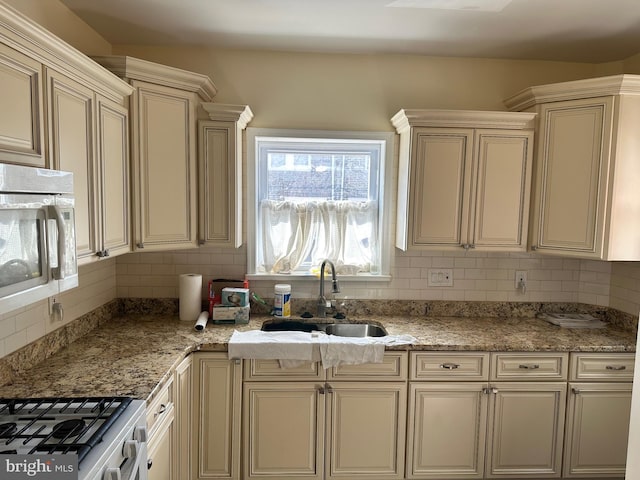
{"points": [[591, 31]]}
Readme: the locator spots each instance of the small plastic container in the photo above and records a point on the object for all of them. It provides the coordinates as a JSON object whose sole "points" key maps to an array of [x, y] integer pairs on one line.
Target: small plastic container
{"points": [[282, 300]]}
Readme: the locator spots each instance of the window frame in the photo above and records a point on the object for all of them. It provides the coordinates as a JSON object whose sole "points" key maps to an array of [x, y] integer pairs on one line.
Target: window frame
{"points": [[385, 184]]}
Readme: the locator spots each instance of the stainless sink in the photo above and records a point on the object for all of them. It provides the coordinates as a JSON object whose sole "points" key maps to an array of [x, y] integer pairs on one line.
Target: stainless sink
{"points": [[338, 329]]}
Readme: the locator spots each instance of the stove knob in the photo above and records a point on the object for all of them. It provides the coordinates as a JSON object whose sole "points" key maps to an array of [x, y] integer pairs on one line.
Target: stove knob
{"points": [[112, 474], [130, 449]]}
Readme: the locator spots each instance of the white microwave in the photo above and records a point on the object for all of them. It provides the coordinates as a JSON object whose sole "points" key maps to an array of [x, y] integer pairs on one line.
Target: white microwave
{"points": [[37, 235]]}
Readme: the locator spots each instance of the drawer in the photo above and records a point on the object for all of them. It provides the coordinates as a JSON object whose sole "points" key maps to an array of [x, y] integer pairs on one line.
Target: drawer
{"points": [[393, 367], [270, 370], [529, 366], [459, 366], [614, 367], [160, 405]]}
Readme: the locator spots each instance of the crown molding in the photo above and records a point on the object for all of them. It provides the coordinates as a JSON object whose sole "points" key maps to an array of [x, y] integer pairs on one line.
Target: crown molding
{"points": [[138, 69], [557, 92], [241, 114], [24, 35], [407, 118]]}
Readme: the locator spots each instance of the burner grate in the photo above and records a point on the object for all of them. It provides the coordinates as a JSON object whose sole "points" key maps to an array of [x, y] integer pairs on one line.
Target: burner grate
{"points": [[57, 425]]}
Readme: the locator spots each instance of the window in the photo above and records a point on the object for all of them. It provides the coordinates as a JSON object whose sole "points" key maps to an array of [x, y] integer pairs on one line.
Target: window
{"points": [[317, 195]]}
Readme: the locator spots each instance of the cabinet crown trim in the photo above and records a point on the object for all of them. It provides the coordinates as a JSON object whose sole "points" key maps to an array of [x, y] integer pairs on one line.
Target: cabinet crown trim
{"points": [[241, 114], [558, 92], [137, 69], [407, 118], [23, 34]]}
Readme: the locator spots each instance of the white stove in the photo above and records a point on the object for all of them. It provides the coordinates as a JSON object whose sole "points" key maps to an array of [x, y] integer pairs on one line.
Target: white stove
{"points": [[108, 434]]}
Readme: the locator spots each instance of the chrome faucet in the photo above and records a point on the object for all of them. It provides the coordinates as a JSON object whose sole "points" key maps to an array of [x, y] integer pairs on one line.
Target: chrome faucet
{"points": [[323, 304]]}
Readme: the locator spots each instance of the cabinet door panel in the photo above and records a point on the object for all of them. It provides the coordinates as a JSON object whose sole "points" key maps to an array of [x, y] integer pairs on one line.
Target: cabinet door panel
{"points": [[501, 208], [165, 166], [442, 175], [21, 124], [525, 437], [597, 430], [571, 185], [161, 447], [113, 152], [71, 109], [366, 429], [184, 411], [283, 430], [217, 418], [446, 430]]}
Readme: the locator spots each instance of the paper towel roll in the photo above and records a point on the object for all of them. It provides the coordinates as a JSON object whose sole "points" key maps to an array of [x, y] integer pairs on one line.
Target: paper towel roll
{"points": [[190, 296], [202, 321]]}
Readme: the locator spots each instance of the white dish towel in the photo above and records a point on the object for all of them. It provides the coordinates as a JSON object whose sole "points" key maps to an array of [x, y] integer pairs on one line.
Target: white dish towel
{"points": [[335, 351]]}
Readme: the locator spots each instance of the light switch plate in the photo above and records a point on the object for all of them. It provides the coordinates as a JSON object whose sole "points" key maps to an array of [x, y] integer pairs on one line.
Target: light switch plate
{"points": [[440, 277]]}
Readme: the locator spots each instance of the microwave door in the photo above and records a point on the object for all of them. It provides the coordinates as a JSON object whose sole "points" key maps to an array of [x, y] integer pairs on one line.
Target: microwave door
{"points": [[62, 247], [23, 257]]}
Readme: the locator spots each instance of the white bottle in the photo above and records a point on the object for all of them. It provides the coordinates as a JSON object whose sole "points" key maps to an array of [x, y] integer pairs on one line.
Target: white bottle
{"points": [[282, 300]]}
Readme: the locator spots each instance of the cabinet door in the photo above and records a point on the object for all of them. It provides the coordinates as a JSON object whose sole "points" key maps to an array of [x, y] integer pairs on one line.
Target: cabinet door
{"points": [[597, 430], [22, 119], [571, 178], [164, 156], [283, 426], [71, 110], [526, 423], [366, 430], [220, 185], [446, 430], [216, 436], [112, 150], [184, 410], [440, 186], [501, 185], [160, 451]]}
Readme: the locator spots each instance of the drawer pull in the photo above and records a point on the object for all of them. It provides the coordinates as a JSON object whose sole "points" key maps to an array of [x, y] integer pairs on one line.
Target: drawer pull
{"points": [[575, 391], [533, 366], [160, 411], [616, 368], [449, 366], [489, 390]]}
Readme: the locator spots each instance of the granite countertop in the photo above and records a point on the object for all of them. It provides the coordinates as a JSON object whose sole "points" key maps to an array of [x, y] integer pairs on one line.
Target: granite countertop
{"points": [[132, 355]]}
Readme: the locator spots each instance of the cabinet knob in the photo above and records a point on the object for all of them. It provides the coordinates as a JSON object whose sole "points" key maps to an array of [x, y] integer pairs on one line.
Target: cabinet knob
{"points": [[201, 242], [534, 247], [140, 245]]}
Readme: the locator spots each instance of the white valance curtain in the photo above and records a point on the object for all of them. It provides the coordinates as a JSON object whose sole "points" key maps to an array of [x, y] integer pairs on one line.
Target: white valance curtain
{"points": [[297, 233]]}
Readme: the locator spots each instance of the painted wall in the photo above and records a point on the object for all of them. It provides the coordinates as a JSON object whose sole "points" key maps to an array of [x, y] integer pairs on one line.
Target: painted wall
{"points": [[58, 19]]}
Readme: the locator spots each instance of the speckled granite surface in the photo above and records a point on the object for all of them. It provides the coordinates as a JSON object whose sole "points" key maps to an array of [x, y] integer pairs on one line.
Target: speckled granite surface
{"points": [[131, 354]]}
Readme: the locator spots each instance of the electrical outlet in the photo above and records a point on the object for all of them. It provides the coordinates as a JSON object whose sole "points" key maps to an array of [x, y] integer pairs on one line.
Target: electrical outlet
{"points": [[440, 277], [521, 280]]}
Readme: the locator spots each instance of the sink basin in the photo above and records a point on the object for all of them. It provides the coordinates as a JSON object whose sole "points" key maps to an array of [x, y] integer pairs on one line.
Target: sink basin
{"points": [[355, 330], [338, 329]]}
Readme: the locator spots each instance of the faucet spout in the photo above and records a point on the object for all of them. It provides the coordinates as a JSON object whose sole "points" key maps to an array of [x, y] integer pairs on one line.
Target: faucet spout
{"points": [[323, 304]]}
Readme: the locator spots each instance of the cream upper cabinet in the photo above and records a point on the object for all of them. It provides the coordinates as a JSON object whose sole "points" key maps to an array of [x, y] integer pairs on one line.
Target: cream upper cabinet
{"points": [[217, 403], [598, 414], [464, 179], [220, 174], [21, 103], [88, 135], [585, 201], [164, 121]]}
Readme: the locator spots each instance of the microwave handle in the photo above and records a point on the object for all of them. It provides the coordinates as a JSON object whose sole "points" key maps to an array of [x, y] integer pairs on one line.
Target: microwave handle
{"points": [[58, 272]]}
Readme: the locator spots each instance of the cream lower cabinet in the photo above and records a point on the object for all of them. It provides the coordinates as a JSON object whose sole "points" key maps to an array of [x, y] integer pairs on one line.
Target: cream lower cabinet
{"points": [[598, 415], [464, 179], [585, 201], [466, 421], [161, 434], [345, 424], [217, 405], [183, 381]]}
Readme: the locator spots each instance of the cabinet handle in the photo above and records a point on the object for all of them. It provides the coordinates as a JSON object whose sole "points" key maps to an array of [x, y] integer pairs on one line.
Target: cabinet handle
{"points": [[489, 390], [321, 390], [237, 361], [329, 388], [533, 366], [449, 366], [140, 245], [616, 368], [161, 410], [534, 247], [575, 391], [149, 463], [201, 242]]}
